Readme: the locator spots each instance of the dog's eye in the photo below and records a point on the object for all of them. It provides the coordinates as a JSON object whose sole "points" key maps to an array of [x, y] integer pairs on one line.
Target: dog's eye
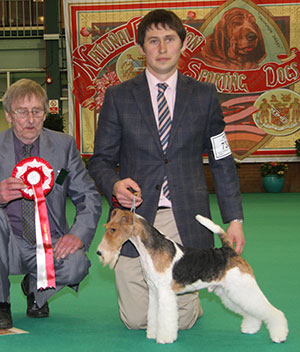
{"points": [[112, 230]]}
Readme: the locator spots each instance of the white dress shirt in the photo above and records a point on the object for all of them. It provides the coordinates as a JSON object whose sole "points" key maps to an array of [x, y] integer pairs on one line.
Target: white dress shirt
{"points": [[170, 94]]}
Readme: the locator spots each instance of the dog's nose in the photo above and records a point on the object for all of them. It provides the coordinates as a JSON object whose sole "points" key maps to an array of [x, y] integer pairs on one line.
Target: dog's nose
{"points": [[99, 253]]}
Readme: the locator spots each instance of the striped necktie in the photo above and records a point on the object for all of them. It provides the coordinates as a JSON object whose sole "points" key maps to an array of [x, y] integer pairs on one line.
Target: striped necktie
{"points": [[28, 215], [164, 127]]}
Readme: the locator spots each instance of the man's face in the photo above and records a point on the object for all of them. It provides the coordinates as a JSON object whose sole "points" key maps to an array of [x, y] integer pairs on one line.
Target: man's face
{"points": [[162, 47], [27, 129]]}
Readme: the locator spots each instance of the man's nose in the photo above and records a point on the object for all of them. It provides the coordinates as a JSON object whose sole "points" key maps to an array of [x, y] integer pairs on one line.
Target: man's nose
{"points": [[30, 116], [162, 47]]}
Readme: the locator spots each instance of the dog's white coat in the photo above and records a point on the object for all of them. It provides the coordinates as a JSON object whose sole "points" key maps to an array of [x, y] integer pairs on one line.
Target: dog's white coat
{"points": [[238, 291]]}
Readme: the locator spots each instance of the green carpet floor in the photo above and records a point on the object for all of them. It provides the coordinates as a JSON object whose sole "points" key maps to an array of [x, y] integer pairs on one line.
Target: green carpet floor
{"points": [[89, 321]]}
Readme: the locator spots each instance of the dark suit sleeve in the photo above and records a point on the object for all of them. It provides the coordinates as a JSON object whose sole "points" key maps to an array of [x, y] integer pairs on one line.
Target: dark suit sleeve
{"points": [[103, 163], [84, 195], [226, 181]]}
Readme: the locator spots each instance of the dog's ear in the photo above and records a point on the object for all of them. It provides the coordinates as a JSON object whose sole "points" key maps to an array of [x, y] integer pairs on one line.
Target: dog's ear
{"points": [[260, 52], [126, 218], [220, 37], [114, 212]]}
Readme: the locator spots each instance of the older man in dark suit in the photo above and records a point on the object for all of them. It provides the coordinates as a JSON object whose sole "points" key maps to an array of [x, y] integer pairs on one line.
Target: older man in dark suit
{"points": [[25, 104], [156, 127]]}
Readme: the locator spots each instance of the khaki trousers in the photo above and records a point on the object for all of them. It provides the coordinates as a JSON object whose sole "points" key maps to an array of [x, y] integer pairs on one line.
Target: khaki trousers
{"points": [[133, 290]]}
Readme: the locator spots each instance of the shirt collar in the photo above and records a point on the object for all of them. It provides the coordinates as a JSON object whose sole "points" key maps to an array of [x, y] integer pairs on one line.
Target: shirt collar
{"points": [[153, 81], [19, 145]]}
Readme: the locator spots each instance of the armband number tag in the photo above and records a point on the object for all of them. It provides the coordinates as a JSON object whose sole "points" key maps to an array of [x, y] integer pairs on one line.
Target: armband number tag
{"points": [[220, 146]]}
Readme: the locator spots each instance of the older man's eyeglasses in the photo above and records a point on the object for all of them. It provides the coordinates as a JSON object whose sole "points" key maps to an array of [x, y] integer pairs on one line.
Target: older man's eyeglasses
{"points": [[24, 113]]}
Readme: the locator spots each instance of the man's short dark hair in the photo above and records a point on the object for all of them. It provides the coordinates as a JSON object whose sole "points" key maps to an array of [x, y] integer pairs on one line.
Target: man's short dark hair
{"points": [[162, 18]]}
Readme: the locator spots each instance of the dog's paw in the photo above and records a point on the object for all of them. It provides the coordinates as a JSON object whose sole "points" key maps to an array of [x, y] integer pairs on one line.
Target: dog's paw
{"points": [[166, 338], [250, 325], [151, 334], [279, 336], [164, 341], [279, 333], [278, 328]]}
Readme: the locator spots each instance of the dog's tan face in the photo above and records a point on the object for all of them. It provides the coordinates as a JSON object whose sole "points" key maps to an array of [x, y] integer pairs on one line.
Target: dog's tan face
{"points": [[118, 231], [242, 33]]}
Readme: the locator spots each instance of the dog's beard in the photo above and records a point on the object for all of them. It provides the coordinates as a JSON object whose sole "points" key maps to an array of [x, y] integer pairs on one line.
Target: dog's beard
{"points": [[109, 258]]}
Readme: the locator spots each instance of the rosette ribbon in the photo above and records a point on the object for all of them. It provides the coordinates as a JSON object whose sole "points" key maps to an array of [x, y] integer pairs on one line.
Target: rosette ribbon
{"points": [[38, 176]]}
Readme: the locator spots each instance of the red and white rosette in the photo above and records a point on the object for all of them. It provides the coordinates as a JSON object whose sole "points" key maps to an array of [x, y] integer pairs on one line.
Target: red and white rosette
{"points": [[38, 175]]}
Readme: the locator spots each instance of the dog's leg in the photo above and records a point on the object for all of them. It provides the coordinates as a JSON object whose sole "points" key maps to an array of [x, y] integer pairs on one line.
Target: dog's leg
{"points": [[245, 293], [152, 313], [277, 326], [167, 317], [250, 324]]}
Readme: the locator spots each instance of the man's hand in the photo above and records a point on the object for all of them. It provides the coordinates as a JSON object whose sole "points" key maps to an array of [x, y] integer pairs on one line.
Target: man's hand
{"points": [[67, 244], [124, 196], [236, 235], [10, 189]]}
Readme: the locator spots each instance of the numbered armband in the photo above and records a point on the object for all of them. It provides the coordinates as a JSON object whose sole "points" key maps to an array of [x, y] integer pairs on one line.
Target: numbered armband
{"points": [[220, 146]]}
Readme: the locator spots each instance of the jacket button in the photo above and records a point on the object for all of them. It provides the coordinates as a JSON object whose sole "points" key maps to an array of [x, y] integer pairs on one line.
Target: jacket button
{"points": [[166, 161], [157, 187]]}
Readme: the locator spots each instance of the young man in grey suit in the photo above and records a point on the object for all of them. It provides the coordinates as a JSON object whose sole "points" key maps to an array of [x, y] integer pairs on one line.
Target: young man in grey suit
{"points": [[25, 104], [164, 166]]}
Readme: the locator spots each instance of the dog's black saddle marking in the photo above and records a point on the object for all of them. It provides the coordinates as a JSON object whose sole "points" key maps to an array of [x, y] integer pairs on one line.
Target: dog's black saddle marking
{"points": [[202, 264], [156, 241]]}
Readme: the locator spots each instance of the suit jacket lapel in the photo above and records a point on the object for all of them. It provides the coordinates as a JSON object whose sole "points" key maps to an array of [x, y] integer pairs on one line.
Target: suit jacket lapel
{"points": [[47, 150], [143, 100], [7, 154], [183, 94]]}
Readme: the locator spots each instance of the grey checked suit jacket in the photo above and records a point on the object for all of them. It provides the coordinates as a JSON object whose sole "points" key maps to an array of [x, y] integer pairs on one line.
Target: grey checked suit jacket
{"points": [[60, 151], [127, 136]]}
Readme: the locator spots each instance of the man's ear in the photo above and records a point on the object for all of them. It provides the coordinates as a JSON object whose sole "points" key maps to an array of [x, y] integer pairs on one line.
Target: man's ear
{"points": [[184, 45], [8, 117], [142, 50]]}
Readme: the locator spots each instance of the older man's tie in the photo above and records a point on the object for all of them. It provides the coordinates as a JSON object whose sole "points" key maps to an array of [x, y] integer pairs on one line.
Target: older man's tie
{"points": [[28, 214], [164, 127]]}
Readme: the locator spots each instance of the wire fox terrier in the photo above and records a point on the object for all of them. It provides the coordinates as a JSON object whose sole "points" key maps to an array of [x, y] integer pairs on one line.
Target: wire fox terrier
{"points": [[172, 269]]}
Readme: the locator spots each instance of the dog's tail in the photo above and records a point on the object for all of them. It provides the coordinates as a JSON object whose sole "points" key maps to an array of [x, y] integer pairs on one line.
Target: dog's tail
{"points": [[215, 229]]}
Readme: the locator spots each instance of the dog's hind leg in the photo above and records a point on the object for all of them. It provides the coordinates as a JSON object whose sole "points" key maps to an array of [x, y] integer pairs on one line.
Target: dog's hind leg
{"points": [[250, 324], [277, 326], [244, 292]]}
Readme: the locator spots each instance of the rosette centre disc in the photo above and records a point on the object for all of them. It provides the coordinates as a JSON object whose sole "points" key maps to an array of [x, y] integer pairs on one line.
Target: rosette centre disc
{"points": [[33, 178]]}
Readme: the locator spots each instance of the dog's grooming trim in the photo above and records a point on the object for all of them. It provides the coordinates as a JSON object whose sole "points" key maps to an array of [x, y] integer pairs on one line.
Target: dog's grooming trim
{"points": [[171, 269]]}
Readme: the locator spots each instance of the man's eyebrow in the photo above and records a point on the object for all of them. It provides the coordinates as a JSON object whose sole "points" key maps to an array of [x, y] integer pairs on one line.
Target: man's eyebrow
{"points": [[164, 37], [153, 37]]}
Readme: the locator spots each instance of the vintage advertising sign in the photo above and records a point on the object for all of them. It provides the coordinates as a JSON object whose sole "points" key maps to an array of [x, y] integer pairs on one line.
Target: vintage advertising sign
{"points": [[248, 49]]}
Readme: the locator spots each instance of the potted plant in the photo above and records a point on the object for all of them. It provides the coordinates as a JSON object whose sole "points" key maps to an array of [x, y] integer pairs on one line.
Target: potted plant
{"points": [[273, 175]]}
